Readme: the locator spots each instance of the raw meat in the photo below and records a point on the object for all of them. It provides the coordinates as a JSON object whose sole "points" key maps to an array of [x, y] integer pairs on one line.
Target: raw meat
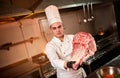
{"points": [[84, 46]]}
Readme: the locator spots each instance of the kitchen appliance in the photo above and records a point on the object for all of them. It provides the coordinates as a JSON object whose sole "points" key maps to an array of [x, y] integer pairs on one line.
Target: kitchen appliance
{"points": [[109, 72], [47, 71]]}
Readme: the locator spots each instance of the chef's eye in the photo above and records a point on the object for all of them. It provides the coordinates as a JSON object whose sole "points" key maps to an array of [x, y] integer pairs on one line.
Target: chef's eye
{"points": [[54, 28], [59, 26]]}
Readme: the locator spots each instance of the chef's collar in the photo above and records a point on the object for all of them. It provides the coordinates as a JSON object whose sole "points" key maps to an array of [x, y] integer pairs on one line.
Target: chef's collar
{"points": [[57, 40]]}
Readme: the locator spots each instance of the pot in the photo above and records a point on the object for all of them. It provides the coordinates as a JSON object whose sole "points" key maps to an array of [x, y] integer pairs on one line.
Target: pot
{"points": [[109, 72]]}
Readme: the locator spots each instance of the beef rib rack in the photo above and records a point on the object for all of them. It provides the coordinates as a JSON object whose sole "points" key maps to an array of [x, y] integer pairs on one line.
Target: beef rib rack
{"points": [[84, 46]]}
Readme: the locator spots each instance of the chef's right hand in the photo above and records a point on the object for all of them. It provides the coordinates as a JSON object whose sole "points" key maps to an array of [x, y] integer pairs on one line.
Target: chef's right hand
{"points": [[70, 64]]}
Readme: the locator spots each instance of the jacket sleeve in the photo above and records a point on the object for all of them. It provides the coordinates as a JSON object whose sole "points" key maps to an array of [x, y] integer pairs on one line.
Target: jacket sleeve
{"points": [[53, 57]]}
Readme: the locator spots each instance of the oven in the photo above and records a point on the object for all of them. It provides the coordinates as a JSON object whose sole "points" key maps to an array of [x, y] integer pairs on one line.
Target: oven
{"points": [[108, 48], [47, 71]]}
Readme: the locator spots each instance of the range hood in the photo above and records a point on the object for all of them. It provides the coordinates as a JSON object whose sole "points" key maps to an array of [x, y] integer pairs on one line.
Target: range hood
{"points": [[63, 4], [9, 10]]}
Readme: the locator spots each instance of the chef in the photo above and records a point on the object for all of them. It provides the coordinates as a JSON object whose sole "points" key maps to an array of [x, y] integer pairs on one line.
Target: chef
{"points": [[59, 49]]}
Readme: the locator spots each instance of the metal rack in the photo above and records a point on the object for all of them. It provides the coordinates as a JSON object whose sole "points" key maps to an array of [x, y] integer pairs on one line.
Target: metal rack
{"points": [[7, 46]]}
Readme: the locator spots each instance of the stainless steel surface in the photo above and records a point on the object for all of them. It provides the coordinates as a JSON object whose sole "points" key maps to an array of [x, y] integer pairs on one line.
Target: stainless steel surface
{"points": [[108, 71], [84, 13], [88, 8], [89, 16], [7, 10], [115, 62], [62, 4], [104, 48], [91, 7], [45, 66], [10, 8]]}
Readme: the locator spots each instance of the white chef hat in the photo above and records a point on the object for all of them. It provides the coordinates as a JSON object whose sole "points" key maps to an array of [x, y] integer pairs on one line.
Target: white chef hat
{"points": [[52, 14]]}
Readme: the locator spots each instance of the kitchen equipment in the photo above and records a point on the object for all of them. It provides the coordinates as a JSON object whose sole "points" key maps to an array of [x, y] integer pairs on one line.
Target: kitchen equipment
{"points": [[88, 8], [84, 12], [47, 71], [92, 17], [108, 72]]}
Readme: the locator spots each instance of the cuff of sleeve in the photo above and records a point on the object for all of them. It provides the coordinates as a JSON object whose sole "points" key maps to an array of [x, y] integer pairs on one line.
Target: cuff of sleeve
{"points": [[67, 69], [61, 65]]}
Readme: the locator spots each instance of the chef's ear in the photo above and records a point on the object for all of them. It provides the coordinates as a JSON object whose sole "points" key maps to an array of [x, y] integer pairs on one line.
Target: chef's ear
{"points": [[63, 26], [51, 30]]}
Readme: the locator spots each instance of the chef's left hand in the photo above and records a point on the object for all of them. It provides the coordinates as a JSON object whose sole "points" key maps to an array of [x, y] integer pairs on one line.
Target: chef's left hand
{"points": [[70, 64], [76, 67]]}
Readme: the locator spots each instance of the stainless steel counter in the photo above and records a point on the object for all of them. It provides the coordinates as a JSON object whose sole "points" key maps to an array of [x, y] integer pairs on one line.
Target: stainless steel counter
{"points": [[101, 57], [114, 62], [100, 53]]}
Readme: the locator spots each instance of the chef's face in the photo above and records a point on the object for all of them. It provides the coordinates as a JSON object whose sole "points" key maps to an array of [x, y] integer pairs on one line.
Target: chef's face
{"points": [[57, 29]]}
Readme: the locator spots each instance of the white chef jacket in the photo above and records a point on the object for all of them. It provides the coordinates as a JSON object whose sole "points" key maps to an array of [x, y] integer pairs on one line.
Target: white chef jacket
{"points": [[58, 52]]}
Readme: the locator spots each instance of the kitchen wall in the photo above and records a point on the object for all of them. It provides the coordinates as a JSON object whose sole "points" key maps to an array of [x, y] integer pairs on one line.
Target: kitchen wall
{"points": [[11, 33], [104, 17], [38, 27], [16, 32], [73, 20]]}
